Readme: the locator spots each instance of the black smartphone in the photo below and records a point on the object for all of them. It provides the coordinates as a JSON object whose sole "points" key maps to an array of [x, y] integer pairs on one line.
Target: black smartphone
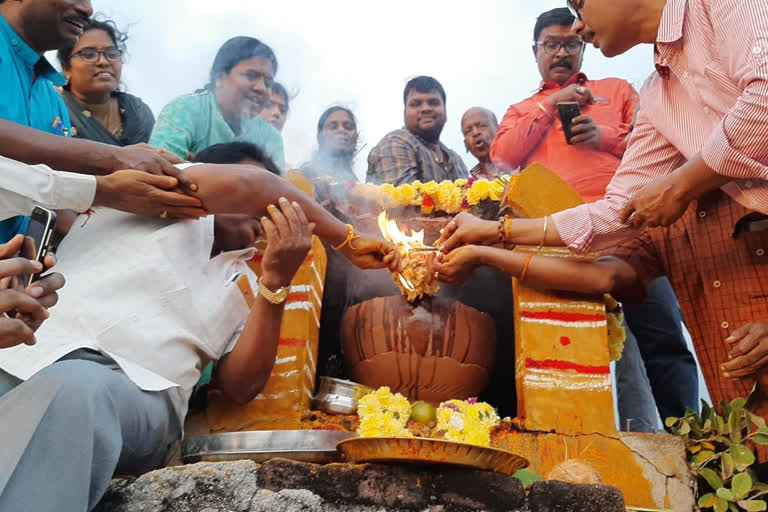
{"points": [[569, 110], [38, 239]]}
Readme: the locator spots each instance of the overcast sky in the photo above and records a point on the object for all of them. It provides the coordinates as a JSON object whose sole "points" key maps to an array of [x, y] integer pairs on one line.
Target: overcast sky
{"points": [[358, 54]]}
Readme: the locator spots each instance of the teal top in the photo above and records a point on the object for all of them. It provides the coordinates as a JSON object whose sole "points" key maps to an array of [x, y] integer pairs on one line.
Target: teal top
{"points": [[28, 97], [193, 122]]}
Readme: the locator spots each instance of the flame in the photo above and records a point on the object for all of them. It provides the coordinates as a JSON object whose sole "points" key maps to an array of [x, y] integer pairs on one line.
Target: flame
{"points": [[404, 242], [392, 233]]}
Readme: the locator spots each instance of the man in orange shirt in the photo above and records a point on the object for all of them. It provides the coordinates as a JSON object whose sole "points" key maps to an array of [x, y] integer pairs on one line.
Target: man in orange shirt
{"points": [[531, 131]]}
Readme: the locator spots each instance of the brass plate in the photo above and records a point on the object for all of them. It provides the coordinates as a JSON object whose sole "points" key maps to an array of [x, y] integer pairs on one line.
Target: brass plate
{"points": [[419, 450]]}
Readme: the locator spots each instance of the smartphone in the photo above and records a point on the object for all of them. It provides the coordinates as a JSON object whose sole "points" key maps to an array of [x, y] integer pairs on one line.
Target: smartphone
{"points": [[569, 110], [38, 239]]}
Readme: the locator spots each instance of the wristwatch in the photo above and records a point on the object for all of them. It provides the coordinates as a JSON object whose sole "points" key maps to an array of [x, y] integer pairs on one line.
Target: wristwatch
{"points": [[276, 297]]}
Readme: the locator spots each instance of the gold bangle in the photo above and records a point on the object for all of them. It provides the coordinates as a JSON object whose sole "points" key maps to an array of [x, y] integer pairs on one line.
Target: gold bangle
{"points": [[525, 266], [544, 235], [348, 240], [507, 227], [276, 297]]}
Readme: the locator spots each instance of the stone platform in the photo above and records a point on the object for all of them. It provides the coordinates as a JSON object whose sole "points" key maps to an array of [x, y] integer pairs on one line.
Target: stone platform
{"points": [[282, 486]]}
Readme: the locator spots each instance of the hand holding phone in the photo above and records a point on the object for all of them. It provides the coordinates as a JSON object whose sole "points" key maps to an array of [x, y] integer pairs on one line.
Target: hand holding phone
{"points": [[38, 239], [569, 110]]}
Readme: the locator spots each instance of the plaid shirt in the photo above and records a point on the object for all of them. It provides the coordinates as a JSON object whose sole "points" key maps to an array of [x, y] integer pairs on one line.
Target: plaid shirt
{"points": [[401, 157], [719, 271]]}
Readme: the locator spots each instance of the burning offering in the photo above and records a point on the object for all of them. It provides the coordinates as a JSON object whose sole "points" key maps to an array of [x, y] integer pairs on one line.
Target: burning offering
{"points": [[416, 280]]}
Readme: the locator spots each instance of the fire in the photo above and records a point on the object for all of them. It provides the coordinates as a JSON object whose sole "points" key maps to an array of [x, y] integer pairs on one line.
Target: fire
{"points": [[392, 233], [404, 242]]}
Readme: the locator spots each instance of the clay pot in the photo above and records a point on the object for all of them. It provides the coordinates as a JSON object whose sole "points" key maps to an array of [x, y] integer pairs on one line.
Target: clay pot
{"points": [[434, 351]]}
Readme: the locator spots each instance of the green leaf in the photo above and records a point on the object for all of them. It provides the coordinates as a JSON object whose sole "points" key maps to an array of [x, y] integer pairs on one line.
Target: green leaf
{"points": [[703, 456], [670, 422], [727, 465], [527, 477], [741, 485], [758, 421], [684, 429], [738, 403], [708, 500], [734, 425], [742, 456], [753, 505], [721, 505], [707, 413], [721, 426], [726, 494], [711, 477]]}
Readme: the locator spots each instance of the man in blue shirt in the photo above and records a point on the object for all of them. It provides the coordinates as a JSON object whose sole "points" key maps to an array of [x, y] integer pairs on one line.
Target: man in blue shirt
{"points": [[28, 28]]}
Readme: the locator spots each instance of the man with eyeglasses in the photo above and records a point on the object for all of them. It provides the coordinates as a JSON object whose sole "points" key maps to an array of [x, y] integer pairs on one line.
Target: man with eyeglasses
{"points": [[531, 130], [29, 28]]}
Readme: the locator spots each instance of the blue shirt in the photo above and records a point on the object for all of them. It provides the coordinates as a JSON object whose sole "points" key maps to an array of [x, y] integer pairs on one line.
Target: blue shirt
{"points": [[29, 98]]}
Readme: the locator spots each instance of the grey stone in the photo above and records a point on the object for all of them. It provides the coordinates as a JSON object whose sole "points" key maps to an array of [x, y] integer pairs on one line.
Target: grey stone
{"points": [[554, 496]]}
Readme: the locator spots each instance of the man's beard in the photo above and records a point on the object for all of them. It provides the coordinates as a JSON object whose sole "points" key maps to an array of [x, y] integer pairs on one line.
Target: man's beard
{"points": [[432, 135]]}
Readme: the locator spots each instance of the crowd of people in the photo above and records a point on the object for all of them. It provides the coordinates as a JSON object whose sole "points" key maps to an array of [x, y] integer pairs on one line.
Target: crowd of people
{"points": [[158, 216]]}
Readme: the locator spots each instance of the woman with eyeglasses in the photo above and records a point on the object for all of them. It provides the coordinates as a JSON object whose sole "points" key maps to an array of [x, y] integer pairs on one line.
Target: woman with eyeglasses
{"points": [[98, 110], [227, 109]]}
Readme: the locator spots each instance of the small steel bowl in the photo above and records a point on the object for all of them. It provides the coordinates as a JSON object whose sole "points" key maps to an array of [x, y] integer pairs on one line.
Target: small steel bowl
{"points": [[338, 396]]}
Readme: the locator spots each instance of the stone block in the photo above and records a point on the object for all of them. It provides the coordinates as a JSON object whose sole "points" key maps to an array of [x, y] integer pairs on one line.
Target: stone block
{"points": [[554, 496]]}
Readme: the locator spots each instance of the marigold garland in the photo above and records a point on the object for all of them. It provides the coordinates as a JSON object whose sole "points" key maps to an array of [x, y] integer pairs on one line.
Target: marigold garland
{"points": [[446, 196]]}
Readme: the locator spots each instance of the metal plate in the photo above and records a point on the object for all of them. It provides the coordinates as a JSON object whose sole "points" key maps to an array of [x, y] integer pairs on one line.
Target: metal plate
{"points": [[317, 446], [419, 450]]}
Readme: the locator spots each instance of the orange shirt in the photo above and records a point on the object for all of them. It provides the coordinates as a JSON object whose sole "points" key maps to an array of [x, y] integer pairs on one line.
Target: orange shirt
{"points": [[528, 134]]}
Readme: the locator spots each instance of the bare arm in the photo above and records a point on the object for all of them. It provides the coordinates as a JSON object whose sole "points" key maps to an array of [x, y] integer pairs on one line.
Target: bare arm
{"points": [[603, 275], [249, 190]]}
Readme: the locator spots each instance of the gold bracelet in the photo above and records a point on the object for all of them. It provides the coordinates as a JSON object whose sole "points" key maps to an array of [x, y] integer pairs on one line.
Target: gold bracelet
{"points": [[544, 236], [276, 297], [348, 240], [528, 260]]}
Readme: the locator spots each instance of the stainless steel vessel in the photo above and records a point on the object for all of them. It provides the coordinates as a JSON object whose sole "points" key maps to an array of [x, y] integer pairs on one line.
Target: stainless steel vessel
{"points": [[317, 446], [338, 396]]}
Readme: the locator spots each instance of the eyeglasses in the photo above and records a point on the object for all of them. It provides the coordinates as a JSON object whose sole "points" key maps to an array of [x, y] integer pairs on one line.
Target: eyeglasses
{"points": [[92, 55], [576, 8], [572, 46]]}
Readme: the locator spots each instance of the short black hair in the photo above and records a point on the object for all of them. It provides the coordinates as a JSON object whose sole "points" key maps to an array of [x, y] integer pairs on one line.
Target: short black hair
{"points": [[282, 91], [560, 17], [423, 84], [236, 50], [117, 36], [235, 153]]}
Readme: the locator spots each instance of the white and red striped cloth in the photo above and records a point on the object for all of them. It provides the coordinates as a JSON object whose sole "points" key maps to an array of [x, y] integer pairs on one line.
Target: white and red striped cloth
{"points": [[708, 96]]}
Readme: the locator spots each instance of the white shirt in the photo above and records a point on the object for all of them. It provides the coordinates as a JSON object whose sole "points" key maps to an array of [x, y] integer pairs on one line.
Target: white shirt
{"points": [[23, 186], [146, 293]]}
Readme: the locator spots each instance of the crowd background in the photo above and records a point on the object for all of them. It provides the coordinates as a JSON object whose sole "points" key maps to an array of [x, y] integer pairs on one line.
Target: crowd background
{"points": [[353, 54]]}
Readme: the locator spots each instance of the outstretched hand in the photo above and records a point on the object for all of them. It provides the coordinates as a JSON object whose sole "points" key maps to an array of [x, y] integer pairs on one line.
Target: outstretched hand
{"points": [[371, 253], [749, 350], [456, 266], [144, 157], [466, 229], [660, 203]]}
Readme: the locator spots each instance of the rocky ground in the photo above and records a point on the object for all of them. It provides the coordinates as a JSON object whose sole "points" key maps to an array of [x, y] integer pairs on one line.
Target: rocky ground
{"points": [[287, 486]]}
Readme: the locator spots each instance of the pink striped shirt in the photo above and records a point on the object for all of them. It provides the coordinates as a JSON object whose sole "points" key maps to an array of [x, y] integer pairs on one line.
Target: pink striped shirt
{"points": [[708, 95]]}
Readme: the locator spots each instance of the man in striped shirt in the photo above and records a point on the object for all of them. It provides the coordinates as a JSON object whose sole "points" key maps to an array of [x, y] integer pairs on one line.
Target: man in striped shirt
{"points": [[702, 126]]}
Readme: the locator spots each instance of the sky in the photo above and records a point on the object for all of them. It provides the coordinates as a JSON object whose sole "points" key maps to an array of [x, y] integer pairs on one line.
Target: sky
{"points": [[356, 54]]}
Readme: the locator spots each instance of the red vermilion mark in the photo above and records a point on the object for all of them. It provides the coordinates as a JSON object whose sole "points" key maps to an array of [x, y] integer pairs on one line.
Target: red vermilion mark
{"points": [[550, 364], [292, 342], [563, 317], [297, 297], [565, 341]]}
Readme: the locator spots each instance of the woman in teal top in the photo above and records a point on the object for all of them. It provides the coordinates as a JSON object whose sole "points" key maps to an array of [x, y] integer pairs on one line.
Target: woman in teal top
{"points": [[227, 109]]}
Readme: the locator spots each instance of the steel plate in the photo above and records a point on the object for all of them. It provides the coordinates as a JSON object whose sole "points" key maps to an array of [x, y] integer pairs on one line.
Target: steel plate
{"points": [[317, 446]]}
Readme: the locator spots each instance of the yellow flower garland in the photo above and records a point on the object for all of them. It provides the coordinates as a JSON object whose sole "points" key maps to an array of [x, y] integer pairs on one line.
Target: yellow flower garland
{"points": [[446, 196]]}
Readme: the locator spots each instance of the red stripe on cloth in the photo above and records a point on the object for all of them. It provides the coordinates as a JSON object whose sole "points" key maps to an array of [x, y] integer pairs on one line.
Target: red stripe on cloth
{"points": [[563, 317], [298, 297], [551, 364], [258, 258], [292, 342]]}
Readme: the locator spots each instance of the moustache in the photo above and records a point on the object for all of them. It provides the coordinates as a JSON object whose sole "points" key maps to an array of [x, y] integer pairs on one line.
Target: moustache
{"points": [[561, 63]]}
